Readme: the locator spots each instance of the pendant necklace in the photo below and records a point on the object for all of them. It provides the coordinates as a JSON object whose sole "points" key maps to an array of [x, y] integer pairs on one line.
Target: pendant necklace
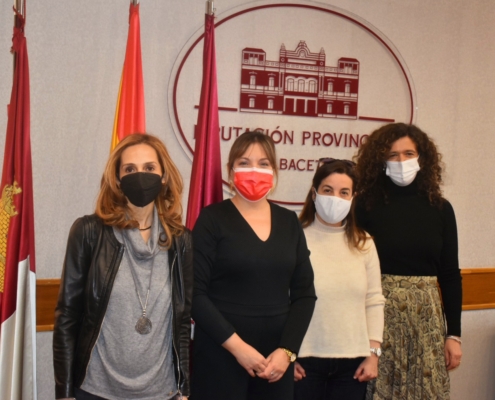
{"points": [[143, 325]]}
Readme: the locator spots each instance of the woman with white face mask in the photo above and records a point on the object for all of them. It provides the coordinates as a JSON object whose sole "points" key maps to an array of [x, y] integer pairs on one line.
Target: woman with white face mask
{"points": [[253, 285], [400, 204], [340, 351]]}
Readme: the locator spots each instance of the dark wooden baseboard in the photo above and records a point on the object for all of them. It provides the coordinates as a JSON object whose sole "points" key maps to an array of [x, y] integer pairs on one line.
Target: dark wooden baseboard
{"points": [[478, 293]]}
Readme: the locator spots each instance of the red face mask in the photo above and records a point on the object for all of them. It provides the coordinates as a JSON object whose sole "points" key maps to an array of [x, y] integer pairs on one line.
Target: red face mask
{"points": [[253, 184]]}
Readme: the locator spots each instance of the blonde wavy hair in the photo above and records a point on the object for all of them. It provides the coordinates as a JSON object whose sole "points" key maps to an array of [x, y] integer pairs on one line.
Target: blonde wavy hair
{"points": [[112, 205]]}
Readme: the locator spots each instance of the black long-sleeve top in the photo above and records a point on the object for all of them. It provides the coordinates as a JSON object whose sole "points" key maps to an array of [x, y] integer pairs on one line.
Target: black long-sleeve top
{"points": [[236, 272], [414, 238]]}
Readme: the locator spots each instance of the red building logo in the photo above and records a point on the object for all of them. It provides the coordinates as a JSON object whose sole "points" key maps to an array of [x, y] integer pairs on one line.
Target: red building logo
{"points": [[299, 83]]}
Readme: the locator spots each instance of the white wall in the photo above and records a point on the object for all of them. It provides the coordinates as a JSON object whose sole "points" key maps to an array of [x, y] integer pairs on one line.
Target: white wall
{"points": [[76, 51]]}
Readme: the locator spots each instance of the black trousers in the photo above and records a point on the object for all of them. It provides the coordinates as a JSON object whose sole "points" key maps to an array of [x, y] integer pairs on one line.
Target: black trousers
{"points": [[330, 379], [80, 394], [217, 374]]}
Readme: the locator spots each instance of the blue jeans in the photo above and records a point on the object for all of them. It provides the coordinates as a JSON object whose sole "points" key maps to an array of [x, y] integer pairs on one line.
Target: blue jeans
{"points": [[330, 379]]}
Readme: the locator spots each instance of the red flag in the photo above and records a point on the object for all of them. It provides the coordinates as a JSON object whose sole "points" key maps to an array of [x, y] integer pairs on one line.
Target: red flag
{"points": [[17, 260], [129, 114], [206, 175]]}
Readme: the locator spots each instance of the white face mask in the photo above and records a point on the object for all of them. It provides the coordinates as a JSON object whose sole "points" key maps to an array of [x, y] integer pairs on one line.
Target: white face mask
{"points": [[332, 209], [402, 173]]}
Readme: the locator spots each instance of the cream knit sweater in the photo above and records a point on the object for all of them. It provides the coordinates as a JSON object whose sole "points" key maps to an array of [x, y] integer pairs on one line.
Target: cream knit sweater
{"points": [[349, 310]]}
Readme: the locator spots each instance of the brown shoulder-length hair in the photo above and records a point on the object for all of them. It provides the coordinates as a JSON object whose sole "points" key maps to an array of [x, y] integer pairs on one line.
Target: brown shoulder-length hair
{"points": [[112, 206], [355, 236], [373, 154], [245, 140]]}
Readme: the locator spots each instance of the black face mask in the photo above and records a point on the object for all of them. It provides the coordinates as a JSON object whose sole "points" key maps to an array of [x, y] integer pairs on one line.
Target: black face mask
{"points": [[141, 188]]}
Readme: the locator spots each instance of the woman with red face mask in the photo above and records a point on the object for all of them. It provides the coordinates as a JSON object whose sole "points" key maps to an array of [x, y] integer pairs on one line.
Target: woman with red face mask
{"points": [[253, 291]]}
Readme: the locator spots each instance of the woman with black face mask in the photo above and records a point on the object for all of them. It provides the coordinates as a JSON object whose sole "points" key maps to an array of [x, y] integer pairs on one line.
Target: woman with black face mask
{"points": [[122, 322]]}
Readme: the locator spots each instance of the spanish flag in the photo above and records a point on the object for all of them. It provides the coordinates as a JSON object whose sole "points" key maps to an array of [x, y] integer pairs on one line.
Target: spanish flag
{"points": [[130, 114], [17, 258]]}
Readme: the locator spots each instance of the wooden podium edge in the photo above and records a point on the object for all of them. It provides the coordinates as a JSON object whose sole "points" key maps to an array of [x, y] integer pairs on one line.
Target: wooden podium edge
{"points": [[478, 293]]}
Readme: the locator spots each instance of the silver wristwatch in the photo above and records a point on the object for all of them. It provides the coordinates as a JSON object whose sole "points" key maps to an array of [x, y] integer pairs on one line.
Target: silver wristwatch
{"points": [[377, 351]]}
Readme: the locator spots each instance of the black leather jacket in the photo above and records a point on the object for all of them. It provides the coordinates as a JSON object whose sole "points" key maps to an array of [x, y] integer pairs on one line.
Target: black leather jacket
{"points": [[91, 263]]}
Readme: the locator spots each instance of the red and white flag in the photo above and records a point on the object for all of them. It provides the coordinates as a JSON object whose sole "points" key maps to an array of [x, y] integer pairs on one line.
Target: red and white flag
{"points": [[17, 261]]}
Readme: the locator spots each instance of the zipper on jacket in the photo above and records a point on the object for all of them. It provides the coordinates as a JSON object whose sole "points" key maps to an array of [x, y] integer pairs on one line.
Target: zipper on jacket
{"points": [[121, 252], [173, 330]]}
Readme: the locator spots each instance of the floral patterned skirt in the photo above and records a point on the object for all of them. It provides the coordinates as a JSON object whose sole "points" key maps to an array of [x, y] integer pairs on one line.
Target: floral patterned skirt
{"points": [[412, 365]]}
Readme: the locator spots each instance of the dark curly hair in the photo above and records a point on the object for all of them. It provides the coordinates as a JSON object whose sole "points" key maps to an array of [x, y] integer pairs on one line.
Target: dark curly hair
{"points": [[373, 154], [355, 236]]}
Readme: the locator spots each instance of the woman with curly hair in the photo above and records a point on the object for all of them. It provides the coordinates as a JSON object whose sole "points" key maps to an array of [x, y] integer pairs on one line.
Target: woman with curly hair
{"points": [[122, 322], [400, 204]]}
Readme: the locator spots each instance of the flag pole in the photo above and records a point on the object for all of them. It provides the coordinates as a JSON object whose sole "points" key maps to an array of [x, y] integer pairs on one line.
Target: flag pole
{"points": [[18, 5], [210, 9], [20, 9]]}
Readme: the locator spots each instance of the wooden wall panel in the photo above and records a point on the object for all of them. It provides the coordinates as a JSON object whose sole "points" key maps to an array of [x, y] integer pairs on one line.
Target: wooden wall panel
{"points": [[46, 299], [478, 287]]}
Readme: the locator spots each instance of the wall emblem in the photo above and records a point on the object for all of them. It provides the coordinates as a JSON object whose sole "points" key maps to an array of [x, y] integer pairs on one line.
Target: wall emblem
{"points": [[314, 77], [299, 83]]}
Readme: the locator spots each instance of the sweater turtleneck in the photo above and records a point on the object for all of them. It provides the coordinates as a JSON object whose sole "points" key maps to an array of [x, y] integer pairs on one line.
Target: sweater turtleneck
{"points": [[320, 226], [349, 310], [415, 238], [396, 190]]}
